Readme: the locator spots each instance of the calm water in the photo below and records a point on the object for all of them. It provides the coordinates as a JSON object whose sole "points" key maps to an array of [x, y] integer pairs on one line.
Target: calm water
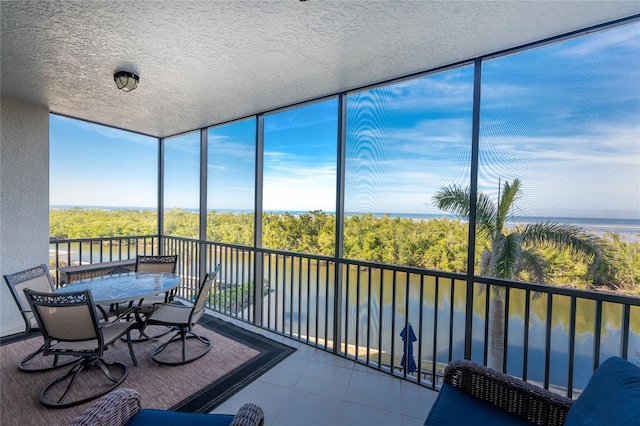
{"points": [[377, 321]]}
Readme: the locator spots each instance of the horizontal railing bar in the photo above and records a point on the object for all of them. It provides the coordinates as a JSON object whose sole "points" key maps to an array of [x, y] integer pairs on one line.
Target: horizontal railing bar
{"points": [[97, 239], [563, 291]]}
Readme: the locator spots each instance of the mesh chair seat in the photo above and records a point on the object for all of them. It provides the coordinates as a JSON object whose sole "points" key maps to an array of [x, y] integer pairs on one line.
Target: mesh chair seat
{"points": [[148, 304], [177, 315], [110, 334]]}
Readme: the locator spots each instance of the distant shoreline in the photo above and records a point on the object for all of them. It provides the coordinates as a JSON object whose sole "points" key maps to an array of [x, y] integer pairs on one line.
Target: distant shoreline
{"points": [[627, 227]]}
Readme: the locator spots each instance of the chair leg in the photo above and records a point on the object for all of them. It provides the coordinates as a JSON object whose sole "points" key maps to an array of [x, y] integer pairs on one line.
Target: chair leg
{"points": [[25, 368], [133, 355], [144, 337], [48, 399], [182, 336]]}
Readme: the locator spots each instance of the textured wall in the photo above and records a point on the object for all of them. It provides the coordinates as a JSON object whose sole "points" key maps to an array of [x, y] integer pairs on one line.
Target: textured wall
{"points": [[24, 197]]}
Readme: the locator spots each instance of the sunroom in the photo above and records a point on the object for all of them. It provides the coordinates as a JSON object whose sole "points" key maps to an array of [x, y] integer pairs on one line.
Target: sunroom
{"points": [[357, 169]]}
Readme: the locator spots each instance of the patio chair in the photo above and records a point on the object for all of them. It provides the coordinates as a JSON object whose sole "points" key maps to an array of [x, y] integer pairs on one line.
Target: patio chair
{"points": [[182, 319], [155, 264], [145, 306], [70, 326], [123, 407], [38, 279]]}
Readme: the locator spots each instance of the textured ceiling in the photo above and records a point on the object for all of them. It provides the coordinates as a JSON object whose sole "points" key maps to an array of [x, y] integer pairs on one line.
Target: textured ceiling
{"points": [[202, 63]]}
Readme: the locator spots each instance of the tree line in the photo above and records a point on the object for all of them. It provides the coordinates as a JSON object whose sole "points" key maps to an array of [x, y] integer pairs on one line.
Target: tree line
{"points": [[439, 243]]}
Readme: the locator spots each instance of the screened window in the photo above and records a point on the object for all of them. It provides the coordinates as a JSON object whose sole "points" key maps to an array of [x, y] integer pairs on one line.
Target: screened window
{"points": [[231, 182], [299, 195], [405, 142], [103, 181], [182, 185], [562, 124]]}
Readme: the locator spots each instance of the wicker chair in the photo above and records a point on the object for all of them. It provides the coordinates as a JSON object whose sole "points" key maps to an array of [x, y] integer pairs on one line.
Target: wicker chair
{"points": [[122, 407], [475, 395], [38, 279], [70, 326], [182, 319], [519, 400]]}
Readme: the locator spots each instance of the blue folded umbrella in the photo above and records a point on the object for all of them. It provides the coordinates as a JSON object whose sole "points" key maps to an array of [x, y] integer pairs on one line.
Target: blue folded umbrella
{"points": [[407, 361]]}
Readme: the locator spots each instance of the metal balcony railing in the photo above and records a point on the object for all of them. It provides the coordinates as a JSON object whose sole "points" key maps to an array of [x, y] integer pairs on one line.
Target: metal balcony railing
{"points": [[552, 336]]}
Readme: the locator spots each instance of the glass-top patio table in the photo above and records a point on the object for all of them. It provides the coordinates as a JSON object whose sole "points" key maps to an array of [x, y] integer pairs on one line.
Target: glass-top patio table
{"points": [[125, 288], [120, 288]]}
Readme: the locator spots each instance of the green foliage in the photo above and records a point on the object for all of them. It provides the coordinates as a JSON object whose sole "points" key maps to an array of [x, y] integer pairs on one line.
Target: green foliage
{"points": [[96, 223], [439, 244], [434, 244], [312, 232], [181, 223], [234, 298], [235, 228]]}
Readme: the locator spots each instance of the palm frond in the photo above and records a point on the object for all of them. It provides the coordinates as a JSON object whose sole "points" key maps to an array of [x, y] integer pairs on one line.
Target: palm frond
{"points": [[565, 237], [485, 215], [486, 263], [535, 264], [507, 249], [509, 195], [454, 199]]}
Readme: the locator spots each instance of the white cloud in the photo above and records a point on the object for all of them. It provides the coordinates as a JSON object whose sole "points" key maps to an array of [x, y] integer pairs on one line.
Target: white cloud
{"points": [[625, 37]]}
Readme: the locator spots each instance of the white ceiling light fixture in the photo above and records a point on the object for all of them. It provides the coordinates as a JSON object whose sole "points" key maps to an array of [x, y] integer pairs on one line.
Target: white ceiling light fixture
{"points": [[126, 81]]}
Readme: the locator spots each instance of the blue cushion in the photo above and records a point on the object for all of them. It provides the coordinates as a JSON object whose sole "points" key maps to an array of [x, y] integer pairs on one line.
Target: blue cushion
{"points": [[153, 417], [612, 396], [455, 407]]}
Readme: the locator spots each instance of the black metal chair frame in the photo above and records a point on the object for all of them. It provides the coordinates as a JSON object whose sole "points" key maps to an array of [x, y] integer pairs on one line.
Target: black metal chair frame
{"points": [[16, 283], [60, 340], [184, 329]]}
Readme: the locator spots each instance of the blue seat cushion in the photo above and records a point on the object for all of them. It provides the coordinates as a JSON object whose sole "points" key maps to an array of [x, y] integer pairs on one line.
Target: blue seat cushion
{"points": [[612, 396], [455, 407], [153, 417]]}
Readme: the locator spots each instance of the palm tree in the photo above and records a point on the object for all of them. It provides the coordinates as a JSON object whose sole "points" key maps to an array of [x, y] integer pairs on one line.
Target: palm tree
{"points": [[513, 251]]}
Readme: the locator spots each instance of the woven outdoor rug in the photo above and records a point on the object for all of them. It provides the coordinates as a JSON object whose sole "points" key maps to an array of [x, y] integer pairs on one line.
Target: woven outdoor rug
{"points": [[237, 357]]}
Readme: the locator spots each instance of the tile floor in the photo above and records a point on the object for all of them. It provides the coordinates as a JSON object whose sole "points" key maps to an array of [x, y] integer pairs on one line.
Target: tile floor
{"points": [[315, 388]]}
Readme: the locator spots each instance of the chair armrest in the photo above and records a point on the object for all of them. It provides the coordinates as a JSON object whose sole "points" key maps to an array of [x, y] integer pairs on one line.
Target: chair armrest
{"points": [[113, 409], [248, 415], [509, 393], [174, 291]]}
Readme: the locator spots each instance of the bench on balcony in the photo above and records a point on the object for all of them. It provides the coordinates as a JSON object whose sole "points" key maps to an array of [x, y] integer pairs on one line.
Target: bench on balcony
{"points": [[69, 274]]}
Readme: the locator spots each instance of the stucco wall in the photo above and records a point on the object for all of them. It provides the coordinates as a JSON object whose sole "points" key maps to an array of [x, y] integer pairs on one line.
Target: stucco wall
{"points": [[24, 197]]}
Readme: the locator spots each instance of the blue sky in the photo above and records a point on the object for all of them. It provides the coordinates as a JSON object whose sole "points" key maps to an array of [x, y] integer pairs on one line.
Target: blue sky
{"points": [[563, 118]]}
